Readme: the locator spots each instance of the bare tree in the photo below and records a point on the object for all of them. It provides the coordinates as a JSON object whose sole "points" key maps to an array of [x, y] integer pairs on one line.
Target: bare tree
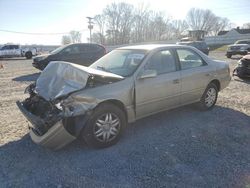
{"points": [[246, 25], [98, 38], [178, 28], [100, 21], [66, 39], [220, 25], [119, 20], [200, 19], [140, 23], [75, 36]]}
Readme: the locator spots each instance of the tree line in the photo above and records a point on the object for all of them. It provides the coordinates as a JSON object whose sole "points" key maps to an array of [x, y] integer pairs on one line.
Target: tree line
{"points": [[123, 23]]}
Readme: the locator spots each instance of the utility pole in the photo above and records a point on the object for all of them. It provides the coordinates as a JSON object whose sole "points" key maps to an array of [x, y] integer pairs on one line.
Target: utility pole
{"points": [[90, 26]]}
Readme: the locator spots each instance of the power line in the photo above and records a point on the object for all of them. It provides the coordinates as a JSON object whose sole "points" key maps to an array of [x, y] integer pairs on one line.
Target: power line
{"points": [[28, 33]]}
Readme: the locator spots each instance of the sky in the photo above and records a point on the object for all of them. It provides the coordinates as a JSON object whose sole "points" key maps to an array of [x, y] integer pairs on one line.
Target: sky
{"points": [[62, 16]]}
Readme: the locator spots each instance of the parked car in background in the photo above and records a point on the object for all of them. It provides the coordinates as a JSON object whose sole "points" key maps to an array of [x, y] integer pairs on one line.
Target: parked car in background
{"points": [[200, 45], [240, 47], [96, 102], [79, 53], [15, 50], [243, 67]]}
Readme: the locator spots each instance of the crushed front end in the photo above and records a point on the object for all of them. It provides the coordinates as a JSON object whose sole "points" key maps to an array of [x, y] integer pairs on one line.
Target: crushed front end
{"points": [[56, 115], [47, 125], [243, 67]]}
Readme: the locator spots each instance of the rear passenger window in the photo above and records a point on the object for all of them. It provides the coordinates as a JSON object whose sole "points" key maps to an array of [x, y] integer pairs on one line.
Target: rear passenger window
{"points": [[189, 59], [162, 62], [72, 50], [90, 48]]}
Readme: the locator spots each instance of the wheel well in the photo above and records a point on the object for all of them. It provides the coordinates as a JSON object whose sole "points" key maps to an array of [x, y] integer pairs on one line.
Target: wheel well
{"points": [[117, 103], [217, 83]]}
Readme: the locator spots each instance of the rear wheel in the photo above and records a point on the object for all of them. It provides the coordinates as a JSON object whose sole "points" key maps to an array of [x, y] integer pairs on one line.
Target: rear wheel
{"points": [[229, 55], [105, 126], [209, 97], [28, 55]]}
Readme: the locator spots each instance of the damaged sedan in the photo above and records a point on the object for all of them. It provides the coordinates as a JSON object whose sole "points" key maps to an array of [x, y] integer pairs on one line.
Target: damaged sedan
{"points": [[95, 103]]}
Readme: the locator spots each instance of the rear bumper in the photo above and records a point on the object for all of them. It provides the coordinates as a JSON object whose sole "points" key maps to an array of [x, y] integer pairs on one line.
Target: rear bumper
{"points": [[237, 52], [55, 138]]}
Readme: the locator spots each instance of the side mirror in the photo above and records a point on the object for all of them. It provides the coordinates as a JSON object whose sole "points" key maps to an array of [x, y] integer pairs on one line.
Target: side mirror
{"points": [[148, 74]]}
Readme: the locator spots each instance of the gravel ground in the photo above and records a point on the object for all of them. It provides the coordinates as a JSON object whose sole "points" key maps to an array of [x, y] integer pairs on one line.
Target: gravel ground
{"points": [[178, 148]]}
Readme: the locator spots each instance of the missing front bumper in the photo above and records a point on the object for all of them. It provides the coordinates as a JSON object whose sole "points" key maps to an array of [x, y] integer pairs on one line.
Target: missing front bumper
{"points": [[55, 138]]}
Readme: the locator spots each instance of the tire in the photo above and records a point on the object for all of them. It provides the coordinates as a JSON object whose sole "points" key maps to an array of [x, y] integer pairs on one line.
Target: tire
{"points": [[229, 55], [207, 100], [28, 55], [99, 134]]}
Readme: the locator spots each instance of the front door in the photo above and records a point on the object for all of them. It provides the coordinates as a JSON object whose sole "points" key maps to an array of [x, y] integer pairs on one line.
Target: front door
{"points": [[161, 92]]}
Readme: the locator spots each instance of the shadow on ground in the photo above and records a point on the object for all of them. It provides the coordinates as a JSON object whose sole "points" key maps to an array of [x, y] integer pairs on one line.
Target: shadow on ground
{"points": [[177, 148], [13, 59], [29, 77]]}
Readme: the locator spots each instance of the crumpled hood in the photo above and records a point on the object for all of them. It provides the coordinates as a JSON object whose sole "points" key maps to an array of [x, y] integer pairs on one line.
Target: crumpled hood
{"points": [[60, 78]]}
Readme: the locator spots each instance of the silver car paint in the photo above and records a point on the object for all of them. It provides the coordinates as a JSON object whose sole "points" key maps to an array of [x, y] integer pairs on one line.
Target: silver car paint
{"points": [[140, 97]]}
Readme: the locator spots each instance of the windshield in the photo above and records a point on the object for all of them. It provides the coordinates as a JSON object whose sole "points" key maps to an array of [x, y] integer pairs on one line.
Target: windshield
{"points": [[120, 62], [58, 50]]}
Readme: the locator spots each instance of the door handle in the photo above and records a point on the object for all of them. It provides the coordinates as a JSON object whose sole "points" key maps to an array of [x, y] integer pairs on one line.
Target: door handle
{"points": [[176, 81]]}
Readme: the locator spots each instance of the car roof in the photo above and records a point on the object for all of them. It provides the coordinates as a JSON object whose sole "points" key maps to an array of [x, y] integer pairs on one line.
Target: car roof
{"points": [[148, 46]]}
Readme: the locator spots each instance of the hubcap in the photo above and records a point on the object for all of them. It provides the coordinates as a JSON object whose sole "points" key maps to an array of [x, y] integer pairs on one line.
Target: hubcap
{"points": [[107, 127], [210, 97]]}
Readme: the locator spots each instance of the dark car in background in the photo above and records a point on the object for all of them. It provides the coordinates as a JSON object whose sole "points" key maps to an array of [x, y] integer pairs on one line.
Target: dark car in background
{"points": [[240, 47], [200, 45], [243, 67], [79, 53]]}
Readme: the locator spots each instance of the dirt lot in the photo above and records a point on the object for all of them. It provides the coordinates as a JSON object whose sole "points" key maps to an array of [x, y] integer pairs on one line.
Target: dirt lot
{"points": [[177, 148]]}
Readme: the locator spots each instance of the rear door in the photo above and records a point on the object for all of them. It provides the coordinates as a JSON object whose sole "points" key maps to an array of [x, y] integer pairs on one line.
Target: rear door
{"points": [[90, 53], [160, 92], [195, 75], [87, 51]]}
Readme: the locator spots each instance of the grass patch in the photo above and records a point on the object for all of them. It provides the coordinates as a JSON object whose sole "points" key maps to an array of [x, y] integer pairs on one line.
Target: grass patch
{"points": [[220, 48]]}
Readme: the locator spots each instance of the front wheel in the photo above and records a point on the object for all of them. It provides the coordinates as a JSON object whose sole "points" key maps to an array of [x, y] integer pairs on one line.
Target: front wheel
{"points": [[229, 55], [209, 97], [105, 126]]}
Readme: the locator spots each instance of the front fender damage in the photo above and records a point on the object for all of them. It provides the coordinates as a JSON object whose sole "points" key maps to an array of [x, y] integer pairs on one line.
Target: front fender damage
{"points": [[56, 100]]}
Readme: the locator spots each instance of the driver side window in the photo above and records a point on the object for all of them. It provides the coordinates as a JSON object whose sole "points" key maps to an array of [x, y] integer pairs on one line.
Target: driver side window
{"points": [[162, 61]]}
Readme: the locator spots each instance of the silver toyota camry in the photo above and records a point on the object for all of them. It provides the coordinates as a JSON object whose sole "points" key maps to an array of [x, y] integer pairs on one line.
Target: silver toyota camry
{"points": [[95, 103]]}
